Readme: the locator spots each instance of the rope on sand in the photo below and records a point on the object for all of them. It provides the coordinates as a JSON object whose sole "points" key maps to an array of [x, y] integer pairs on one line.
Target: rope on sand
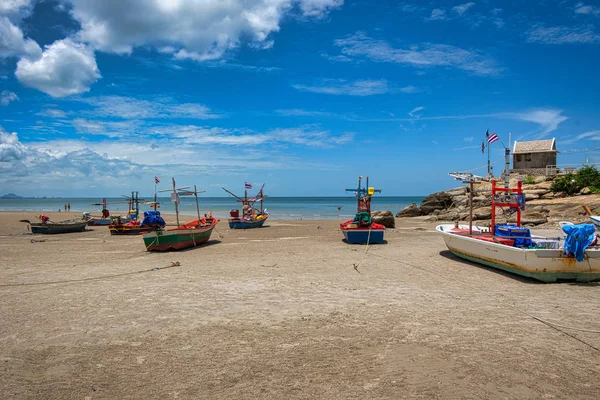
{"points": [[366, 250], [96, 278], [552, 325]]}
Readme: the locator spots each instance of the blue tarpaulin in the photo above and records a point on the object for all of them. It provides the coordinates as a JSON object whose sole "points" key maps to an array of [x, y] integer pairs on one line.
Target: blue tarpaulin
{"points": [[521, 235], [579, 237], [152, 218]]}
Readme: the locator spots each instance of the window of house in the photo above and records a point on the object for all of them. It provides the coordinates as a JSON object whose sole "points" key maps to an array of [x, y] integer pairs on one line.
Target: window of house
{"points": [[527, 157], [519, 157]]}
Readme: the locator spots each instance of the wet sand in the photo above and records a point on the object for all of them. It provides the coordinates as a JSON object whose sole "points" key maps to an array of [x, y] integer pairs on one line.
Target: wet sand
{"points": [[282, 312]]}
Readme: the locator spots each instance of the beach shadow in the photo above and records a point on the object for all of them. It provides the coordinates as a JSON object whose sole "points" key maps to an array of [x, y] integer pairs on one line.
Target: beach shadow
{"points": [[450, 256], [207, 244], [363, 244]]}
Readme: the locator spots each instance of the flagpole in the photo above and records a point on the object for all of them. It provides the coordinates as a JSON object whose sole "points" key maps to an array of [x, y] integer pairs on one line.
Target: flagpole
{"points": [[489, 165], [155, 204]]}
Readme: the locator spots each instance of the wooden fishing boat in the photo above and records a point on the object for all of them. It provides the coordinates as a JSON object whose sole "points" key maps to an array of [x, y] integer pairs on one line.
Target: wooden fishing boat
{"points": [[45, 226], [184, 236], [362, 229], [513, 249], [252, 217], [105, 219]]}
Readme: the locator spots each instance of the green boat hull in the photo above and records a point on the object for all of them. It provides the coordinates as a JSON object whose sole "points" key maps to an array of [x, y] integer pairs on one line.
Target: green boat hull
{"points": [[548, 277], [176, 239]]}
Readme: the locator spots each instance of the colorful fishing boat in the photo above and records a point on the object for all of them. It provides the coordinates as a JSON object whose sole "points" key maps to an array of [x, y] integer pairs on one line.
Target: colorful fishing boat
{"points": [[362, 229], [512, 248], [105, 219], [252, 217], [45, 226], [130, 225], [184, 236]]}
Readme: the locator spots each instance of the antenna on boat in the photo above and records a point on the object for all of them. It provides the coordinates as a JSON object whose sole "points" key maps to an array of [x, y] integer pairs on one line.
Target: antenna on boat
{"points": [[468, 178], [175, 197]]}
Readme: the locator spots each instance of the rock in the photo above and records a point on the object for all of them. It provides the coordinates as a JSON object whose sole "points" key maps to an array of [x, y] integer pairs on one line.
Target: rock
{"points": [[547, 196], [481, 213], [529, 197], [560, 195], [411, 210], [530, 218], [482, 201], [585, 191], [536, 192], [541, 186], [460, 200], [385, 218], [435, 201], [460, 191]]}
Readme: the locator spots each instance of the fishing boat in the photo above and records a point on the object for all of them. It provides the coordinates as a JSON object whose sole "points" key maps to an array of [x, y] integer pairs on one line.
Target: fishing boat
{"points": [[512, 248], [45, 226], [183, 236], [252, 217], [105, 219], [130, 225], [362, 229]]}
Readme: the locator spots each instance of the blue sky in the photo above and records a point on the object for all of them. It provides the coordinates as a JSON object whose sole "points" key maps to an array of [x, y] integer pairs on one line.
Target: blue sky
{"points": [[98, 97]]}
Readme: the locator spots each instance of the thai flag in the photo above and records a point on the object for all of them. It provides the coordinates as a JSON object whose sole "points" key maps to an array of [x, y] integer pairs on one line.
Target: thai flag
{"points": [[156, 180], [493, 138], [248, 185]]}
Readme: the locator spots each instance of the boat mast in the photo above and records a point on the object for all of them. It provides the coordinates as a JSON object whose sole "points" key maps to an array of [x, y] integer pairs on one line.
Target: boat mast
{"points": [[197, 206], [176, 201]]}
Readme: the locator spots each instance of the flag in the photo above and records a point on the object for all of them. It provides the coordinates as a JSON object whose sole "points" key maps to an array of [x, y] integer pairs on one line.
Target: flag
{"points": [[156, 180], [482, 147], [493, 138], [248, 185]]}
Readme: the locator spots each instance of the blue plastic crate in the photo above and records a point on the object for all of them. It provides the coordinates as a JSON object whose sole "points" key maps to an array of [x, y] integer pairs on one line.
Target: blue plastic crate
{"points": [[521, 235]]}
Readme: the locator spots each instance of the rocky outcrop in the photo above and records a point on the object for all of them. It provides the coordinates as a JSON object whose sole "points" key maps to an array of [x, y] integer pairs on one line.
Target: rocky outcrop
{"points": [[385, 218], [543, 206], [436, 201], [411, 210]]}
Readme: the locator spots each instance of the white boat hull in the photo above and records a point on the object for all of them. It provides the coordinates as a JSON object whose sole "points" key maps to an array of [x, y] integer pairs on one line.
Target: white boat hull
{"points": [[547, 265]]}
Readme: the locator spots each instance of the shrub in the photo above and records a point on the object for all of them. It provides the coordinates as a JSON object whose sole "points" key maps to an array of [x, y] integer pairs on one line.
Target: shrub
{"points": [[529, 180], [588, 177], [567, 184]]}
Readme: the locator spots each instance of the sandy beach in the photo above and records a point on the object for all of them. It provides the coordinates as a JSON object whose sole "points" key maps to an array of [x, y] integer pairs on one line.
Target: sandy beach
{"points": [[282, 312]]}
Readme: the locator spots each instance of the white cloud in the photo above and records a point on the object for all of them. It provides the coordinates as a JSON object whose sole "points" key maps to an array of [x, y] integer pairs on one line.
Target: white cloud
{"points": [[424, 55], [310, 135], [462, 8], [549, 119], [52, 113], [10, 146], [129, 107], [468, 139], [14, 6], [414, 113], [437, 14], [198, 30], [581, 8], [12, 42], [563, 35], [65, 68], [318, 8], [304, 113], [342, 87], [7, 97]]}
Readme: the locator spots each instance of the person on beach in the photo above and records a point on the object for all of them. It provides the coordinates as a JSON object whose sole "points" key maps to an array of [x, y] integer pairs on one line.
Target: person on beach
{"points": [[65, 207], [69, 207]]}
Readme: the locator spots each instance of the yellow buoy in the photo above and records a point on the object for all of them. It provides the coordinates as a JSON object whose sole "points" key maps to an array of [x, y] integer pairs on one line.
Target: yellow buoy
{"points": [[371, 191]]}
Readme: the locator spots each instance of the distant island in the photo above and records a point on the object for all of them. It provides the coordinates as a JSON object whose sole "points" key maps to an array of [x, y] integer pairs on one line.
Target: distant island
{"points": [[11, 196]]}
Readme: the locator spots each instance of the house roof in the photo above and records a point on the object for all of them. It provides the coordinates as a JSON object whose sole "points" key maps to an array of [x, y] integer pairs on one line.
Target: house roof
{"points": [[535, 146]]}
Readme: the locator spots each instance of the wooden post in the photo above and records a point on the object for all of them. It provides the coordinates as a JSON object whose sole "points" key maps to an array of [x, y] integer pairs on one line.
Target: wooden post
{"points": [[197, 207], [493, 221], [176, 203], [519, 192], [471, 207]]}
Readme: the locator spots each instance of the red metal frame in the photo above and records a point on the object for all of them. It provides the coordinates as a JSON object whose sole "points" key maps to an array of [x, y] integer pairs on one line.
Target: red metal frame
{"points": [[517, 191]]}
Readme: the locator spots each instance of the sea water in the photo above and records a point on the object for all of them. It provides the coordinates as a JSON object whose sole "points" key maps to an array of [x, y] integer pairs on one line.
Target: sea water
{"points": [[280, 208]]}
